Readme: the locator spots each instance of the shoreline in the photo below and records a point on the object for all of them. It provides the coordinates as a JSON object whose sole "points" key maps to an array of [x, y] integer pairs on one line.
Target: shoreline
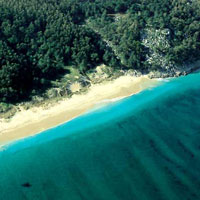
{"points": [[33, 121]]}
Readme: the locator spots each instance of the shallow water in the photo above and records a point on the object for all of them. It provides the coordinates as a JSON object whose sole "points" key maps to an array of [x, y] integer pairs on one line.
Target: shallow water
{"points": [[145, 147]]}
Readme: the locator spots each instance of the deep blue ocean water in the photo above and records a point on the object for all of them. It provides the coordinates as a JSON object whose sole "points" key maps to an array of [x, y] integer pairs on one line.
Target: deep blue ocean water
{"points": [[144, 147]]}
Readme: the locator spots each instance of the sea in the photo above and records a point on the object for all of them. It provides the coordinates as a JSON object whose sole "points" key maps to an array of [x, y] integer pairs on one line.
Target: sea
{"points": [[143, 147]]}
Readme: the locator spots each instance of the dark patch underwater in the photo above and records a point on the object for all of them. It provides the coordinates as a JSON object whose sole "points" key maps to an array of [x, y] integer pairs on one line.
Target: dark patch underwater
{"points": [[145, 147]]}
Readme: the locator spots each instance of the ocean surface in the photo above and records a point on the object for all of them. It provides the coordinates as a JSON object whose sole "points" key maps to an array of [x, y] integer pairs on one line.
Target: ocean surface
{"points": [[144, 147]]}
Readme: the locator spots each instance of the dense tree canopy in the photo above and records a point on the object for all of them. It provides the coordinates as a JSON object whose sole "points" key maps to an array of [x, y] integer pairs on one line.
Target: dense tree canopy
{"points": [[39, 38]]}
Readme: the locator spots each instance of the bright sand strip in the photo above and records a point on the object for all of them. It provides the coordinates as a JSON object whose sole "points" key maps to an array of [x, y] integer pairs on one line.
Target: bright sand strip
{"points": [[29, 122]]}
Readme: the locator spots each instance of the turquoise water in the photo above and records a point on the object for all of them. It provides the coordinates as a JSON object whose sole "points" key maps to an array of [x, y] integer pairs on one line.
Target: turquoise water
{"points": [[145, 147]]}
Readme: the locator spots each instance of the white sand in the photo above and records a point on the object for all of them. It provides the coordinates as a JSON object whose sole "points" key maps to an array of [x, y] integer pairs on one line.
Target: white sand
{"points": [[28, 122]]}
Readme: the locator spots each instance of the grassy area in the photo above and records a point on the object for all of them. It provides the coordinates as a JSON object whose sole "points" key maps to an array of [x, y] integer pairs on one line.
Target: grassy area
{"points": [[62, 88], [4, 107]]}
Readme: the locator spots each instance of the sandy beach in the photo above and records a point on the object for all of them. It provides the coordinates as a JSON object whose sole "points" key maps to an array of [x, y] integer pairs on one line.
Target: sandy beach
{"points": [[29, 122]]}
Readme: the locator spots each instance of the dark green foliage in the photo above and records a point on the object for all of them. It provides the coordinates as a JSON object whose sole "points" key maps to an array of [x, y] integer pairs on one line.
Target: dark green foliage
{"points": [[182, 17], [39, 38]]}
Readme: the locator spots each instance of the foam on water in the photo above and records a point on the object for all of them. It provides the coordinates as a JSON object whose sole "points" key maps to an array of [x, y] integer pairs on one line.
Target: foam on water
{"points": [[142, 147]]}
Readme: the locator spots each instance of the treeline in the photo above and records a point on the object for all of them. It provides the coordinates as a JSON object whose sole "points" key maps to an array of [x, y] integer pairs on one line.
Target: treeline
{"points": [[181, 17], [39, 38], [125, 29]]}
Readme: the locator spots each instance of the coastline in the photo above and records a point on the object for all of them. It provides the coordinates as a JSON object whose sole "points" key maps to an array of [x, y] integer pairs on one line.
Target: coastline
{"points": [[27, 123]]}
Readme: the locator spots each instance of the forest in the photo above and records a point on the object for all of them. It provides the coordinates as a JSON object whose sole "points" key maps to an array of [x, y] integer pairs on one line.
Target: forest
{"points": [[39, 38]]}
